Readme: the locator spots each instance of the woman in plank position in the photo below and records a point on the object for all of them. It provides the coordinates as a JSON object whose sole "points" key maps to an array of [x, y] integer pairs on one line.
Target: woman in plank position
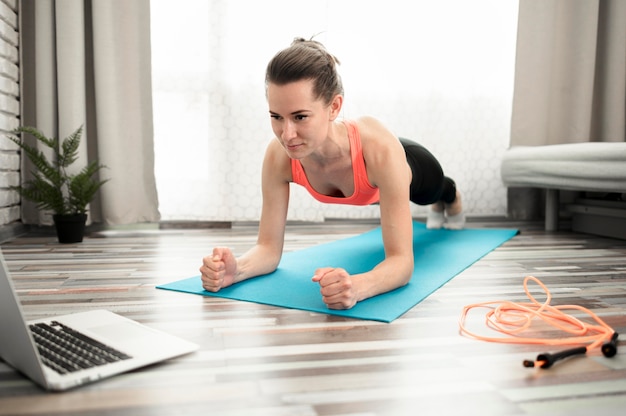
{"points": [[357, 162]]}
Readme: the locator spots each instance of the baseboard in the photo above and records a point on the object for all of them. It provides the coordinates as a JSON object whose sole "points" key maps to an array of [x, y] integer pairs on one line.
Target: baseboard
{"points": [[11, 231], [185, 225]]}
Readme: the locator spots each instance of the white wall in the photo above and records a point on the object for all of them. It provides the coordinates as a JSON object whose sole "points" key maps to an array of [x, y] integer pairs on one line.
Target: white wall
{"points": [[9, 110], [438, 72]]}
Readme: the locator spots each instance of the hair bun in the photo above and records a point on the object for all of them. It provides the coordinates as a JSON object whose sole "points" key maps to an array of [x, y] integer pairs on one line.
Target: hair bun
{"points": [[318, 46]]}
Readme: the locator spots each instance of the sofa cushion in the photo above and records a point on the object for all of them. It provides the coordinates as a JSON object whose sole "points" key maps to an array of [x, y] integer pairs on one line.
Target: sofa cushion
{"points": [[595, 166]]}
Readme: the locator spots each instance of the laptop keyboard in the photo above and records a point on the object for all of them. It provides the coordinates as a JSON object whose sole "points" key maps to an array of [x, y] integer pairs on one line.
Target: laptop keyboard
{"points": [[66, 350]]}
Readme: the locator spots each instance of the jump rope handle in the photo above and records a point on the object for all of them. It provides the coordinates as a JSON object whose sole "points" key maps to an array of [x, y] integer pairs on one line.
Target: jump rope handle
{"points": [[609, 349], [546, 360]]}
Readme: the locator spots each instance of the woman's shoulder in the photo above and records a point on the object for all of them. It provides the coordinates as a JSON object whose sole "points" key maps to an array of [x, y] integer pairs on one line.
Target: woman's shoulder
{"points": [[373, 131], [367, 123], [276, 158], [380, 145]]}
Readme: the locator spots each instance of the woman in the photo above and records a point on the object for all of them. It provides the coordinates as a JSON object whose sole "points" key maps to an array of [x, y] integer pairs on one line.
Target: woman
{"points": [[347, 162]]}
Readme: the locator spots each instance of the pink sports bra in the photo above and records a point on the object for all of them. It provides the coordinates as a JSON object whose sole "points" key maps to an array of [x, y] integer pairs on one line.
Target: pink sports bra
{"points": [[364, 192]]}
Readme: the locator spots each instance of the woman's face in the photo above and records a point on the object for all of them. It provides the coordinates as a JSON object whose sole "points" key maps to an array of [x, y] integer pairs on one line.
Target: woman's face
{"points": [[299, 120]]}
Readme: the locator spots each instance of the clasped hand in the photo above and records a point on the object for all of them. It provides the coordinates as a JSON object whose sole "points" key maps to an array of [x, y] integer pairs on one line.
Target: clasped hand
{"points": [[336, 287], [218, 270]]}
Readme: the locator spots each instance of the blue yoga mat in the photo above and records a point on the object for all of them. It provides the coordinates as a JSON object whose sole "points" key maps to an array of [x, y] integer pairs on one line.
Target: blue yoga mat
{"points": [[439, 256]]}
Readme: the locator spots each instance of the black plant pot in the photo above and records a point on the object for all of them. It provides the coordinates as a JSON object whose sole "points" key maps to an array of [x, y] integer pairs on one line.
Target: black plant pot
{"points": [[70, 228]]}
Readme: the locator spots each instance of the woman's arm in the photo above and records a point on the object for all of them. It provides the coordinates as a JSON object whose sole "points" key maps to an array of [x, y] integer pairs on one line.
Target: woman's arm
{"points": [[222, 269], [388, 170]]}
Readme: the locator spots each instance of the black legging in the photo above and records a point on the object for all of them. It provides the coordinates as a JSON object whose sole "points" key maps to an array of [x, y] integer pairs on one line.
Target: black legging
{"points": [[428, 185]]}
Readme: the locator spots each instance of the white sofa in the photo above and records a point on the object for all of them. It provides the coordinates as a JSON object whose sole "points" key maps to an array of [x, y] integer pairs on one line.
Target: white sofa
{"points": [[585, 167]]}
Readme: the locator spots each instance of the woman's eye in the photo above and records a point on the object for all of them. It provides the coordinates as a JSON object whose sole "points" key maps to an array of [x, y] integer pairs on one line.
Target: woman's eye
{"points": [[275, 116], [300, 117]]}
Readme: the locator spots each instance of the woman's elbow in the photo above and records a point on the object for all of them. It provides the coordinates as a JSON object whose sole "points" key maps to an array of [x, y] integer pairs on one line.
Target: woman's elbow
{"points": [[408, 273], [273, 261]]}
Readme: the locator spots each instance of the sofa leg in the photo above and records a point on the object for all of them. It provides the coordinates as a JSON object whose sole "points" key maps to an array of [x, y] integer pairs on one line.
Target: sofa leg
{"points": [[552, 210]]}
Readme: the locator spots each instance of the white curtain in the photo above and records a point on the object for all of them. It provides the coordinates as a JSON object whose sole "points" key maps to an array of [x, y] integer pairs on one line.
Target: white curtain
{"points": [[88, 63], [438, 72]]}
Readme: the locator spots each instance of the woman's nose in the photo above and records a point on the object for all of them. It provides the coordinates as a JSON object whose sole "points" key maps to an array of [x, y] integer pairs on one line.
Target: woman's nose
{"points": [[289, 130]]}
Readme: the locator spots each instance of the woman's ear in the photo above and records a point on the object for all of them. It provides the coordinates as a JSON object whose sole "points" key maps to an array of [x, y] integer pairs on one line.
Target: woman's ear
{"points": [[335, 106]]}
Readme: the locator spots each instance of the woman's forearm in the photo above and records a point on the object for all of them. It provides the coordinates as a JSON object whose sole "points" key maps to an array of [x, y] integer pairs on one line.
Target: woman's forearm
{"points": [[390, 274], [257, 261]]}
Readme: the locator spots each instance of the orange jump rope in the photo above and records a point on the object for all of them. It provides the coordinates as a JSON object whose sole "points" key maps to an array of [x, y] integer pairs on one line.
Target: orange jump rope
{"points": [[514, 318]]}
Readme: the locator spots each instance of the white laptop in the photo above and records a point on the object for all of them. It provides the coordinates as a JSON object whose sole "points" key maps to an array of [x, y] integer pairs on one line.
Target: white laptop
{"points": [[133, 345]]}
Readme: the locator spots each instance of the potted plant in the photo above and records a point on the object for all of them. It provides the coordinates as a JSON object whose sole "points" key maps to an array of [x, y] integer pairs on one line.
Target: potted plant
{"points": [[53, 187]]}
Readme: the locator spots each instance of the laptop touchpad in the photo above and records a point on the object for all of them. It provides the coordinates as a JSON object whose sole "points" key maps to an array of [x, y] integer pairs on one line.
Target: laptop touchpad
{"points": [[128, 335]]}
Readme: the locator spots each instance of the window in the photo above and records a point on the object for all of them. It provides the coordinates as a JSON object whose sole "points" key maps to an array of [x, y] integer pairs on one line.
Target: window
{"points": [[440, 73]]}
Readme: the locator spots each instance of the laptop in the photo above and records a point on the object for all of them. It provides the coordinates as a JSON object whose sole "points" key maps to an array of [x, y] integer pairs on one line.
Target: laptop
{"points": [[107, 344]]}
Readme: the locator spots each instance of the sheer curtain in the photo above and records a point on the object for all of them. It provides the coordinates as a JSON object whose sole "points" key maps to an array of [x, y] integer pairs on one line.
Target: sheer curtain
{"points": [[440, 73]]}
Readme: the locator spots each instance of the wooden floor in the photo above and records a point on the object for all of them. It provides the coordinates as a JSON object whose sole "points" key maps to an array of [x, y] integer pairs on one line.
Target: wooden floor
{"points": [[263, 360]]}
